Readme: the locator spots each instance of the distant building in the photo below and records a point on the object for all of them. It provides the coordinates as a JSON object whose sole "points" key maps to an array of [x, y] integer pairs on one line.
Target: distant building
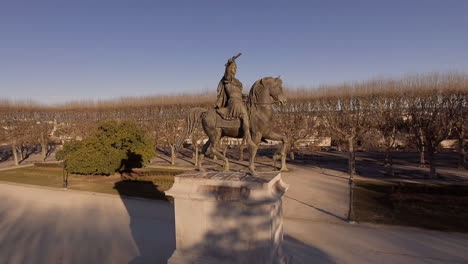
{"points": [[315, 142], [450, 143]]}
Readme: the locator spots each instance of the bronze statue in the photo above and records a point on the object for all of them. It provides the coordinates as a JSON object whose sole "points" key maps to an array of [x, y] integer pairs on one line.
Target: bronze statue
{"points": [[229, 103], [233, 118]]}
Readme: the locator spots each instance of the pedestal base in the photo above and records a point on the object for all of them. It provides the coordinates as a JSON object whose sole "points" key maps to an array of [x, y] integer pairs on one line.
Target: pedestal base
{"points": [[228, 217]]}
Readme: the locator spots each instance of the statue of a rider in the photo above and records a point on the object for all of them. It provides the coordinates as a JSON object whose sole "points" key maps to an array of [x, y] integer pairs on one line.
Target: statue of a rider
{"points": [[229, 103]]}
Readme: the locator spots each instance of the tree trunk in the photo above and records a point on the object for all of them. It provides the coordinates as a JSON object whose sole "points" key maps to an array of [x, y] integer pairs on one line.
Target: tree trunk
{"points": [[431, 156], [291, 155], [21, 152], [352, 172], [351, 197], [15, 154], [352, 157], [386, 157], [461, 149], [196, 154], [422, 162], [44, 152], [392, 173], [389, 161], [43, 147], [173, 155]]}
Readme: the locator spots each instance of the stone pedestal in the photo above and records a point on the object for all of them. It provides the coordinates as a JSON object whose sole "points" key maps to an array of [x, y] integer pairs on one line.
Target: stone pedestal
{"points": [[228, 217]]}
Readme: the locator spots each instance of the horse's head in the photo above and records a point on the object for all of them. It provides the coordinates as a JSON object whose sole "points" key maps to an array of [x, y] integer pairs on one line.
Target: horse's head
{"points": [[266, 89], [275, 86]]}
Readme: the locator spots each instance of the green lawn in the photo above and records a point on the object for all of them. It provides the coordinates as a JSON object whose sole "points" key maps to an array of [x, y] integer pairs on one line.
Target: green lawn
{"points": [[147, 183], [33, 175], [433, 206]]}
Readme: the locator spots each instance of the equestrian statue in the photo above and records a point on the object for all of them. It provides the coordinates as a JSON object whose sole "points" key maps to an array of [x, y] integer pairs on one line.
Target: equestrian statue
{"points": [[239, 116]]}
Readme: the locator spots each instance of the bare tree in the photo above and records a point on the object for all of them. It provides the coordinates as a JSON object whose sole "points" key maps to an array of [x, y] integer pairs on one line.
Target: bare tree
{"points": [[294, 123], [431, 113], [387, 117], [18, 133], [461, 123], [346, 118], [44, 129], [171, 127]]}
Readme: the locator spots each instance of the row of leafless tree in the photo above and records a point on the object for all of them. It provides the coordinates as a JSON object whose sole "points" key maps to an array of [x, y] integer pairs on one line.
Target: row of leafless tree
{"points": [[422, 109], [26, 125]]}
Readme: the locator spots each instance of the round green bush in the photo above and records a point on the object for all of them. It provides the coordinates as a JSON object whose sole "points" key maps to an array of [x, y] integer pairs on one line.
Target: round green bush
{"points": [[115, 146]]}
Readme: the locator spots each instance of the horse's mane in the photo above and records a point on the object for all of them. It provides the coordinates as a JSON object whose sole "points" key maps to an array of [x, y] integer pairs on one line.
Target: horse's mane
{"points": [[254, 93]]}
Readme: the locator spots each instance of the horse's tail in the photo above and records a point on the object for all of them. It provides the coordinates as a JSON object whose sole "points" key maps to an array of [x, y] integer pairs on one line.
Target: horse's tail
{"points": [[192, 119]]}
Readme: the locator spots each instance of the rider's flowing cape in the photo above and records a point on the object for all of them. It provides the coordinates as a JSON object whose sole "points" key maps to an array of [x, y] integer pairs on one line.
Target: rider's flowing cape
{"points": [[221, 100]]}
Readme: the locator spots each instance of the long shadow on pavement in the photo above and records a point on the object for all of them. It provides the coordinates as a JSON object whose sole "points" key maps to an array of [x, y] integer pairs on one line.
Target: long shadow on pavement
{"points": [[151, 221]]}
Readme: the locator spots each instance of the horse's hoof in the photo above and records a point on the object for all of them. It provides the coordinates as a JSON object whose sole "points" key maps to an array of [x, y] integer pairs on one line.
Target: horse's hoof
{"points": [[284, 170]]}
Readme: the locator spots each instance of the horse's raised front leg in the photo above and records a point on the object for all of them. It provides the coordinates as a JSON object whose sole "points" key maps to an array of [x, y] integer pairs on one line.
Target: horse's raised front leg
{"points": [[284, 140]]}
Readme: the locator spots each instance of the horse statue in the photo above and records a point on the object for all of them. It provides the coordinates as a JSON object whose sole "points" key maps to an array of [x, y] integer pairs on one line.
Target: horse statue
{"points": [[263, 95]]}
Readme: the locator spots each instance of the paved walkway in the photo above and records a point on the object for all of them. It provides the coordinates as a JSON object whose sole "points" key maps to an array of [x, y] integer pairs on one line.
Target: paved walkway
{"points": [[33, 158], [16, 167], [42, 225]]}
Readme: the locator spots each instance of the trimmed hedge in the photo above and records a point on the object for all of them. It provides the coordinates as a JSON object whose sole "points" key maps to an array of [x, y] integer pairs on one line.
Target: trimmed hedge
{"points": [[48, 164], [157, 172]]}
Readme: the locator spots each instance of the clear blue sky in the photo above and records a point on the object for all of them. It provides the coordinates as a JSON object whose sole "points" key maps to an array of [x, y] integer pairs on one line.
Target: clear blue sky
{"points": [[56, 51]]}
